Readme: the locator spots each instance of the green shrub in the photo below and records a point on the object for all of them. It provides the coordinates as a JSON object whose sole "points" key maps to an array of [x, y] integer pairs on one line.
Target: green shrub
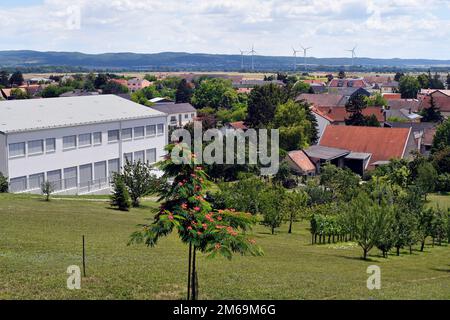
{"points": [[3, 183], [120, 197]]}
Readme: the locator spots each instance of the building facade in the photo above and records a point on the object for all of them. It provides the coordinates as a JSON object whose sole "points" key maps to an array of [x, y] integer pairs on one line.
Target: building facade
{"points": [[77, 153]]}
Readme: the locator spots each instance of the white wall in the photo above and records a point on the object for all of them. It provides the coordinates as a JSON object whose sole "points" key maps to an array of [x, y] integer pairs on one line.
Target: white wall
{"points": [[184, 120], [33, 164], [322, 123], [3, 155]]}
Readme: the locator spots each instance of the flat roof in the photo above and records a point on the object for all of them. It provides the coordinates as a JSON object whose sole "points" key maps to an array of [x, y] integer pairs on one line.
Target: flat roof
{"points": [[325, 153], [39, 114], [172, 107]]}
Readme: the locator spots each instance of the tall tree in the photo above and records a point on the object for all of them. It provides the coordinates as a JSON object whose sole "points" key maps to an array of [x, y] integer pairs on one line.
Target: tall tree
{"points": [[355, 106], [214, 93], [432, 113], [184, 92], [184, 209], [442, 137], [4, 78], [16, 79], [409, 87], [262, 103]]}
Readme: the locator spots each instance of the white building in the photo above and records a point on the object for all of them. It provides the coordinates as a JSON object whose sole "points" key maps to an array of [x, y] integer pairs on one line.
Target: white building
{"points": [[179, 114], [76, 143]]}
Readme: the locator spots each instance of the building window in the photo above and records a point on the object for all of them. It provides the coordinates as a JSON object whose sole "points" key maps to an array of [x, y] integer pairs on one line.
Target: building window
{"points": [[85, 175], [186, 116], [139, 132], [160, 129], [97, 138], [113, 135], [172, 119], [18, 184], [50, 145], [35, 181], [151, 155], [192, 115], [70, 178], [55, 178], [151, 130], [128, 157], [35, 147], [85, 140], [127, 134], [17, 150], [113, 167], [139, 156], [69, 142]]}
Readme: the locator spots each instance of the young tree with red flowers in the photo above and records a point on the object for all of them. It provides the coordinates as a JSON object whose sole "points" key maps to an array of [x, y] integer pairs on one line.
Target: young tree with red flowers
{"points": [[185, 210]]}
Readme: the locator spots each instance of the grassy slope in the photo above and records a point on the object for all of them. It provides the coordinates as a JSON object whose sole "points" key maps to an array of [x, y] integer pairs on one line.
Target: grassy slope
{"points": [[39, 240]]}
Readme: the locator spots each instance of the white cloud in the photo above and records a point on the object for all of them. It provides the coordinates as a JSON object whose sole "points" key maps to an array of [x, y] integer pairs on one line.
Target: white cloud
{"points": [[381, 28]]}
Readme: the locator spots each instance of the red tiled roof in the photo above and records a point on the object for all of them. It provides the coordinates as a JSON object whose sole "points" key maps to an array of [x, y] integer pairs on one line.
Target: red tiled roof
{"points": [[353, 83], [320, 113], [442, 102], [238, 125], [383, 143], [301, 160], [339, 114], [392, 96], [323, 100]]}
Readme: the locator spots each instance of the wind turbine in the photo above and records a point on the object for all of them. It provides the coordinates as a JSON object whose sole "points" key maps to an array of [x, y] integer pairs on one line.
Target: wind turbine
{"points": [[252, 52], [305, 50], [353, 54], [242, 58], [295, 58]]}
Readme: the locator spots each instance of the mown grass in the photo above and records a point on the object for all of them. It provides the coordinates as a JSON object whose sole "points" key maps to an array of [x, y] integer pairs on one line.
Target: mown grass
{"points": [[39, 240]]}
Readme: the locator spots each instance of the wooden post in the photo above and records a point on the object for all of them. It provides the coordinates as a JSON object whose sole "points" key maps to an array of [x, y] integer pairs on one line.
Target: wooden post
{"points": [[84, 259]]}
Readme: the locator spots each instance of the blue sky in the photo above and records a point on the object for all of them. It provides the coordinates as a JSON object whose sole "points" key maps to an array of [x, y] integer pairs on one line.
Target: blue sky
{"points": [[380, 28]]}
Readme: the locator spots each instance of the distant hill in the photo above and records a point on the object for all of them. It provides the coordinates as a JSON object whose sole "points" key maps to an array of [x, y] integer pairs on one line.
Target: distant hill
{"points": [[179, 61]]}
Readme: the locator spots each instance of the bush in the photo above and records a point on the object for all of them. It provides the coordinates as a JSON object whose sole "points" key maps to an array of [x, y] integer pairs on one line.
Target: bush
{"points": [[120, 197], [47, 189], [443, 182], [3, 183]]}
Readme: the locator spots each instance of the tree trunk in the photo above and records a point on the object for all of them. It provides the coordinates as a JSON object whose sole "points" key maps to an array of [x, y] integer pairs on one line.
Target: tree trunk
{"points": [[189, 272], [410, 249], [365, 254], [273, 230], [398, 251], [422, 245], [194, 279], [290, 225]]}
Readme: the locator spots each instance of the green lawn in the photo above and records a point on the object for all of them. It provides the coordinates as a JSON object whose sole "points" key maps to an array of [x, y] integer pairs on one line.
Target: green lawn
{"points": [[39, 240]]}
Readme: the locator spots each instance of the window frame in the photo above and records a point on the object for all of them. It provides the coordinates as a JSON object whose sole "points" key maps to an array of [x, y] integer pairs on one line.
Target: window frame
{"points": [[85, 145], [54, 145], [36, 153], [20, 155], [118, 136], [70, 148]]}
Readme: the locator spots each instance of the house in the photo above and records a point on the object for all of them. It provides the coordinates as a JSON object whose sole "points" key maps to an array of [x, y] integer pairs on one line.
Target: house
{"points": [[300, 163], [76, 143], [6, 92], [392, 96], [423, 133], [389, 87], [135, 84], [348, 92], [179, 114], [323, 100], [348, 83], [322, 119], [233, 126], [441, 101], [369, 146], [318, 88], [338, 115]]}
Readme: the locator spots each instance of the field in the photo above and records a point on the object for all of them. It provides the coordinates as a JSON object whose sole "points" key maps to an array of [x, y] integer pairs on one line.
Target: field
{"points": [[39, 240]]}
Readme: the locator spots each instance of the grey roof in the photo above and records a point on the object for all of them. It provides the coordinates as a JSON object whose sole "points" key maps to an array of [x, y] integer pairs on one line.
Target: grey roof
{"points": [[325, 153], [38, 114], [347, 91], [78, 93], [415, 126], [358, 155], [173, 108]]}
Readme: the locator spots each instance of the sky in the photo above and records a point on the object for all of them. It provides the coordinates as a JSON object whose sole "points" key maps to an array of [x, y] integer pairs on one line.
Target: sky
{"points": [[379, 28]]}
